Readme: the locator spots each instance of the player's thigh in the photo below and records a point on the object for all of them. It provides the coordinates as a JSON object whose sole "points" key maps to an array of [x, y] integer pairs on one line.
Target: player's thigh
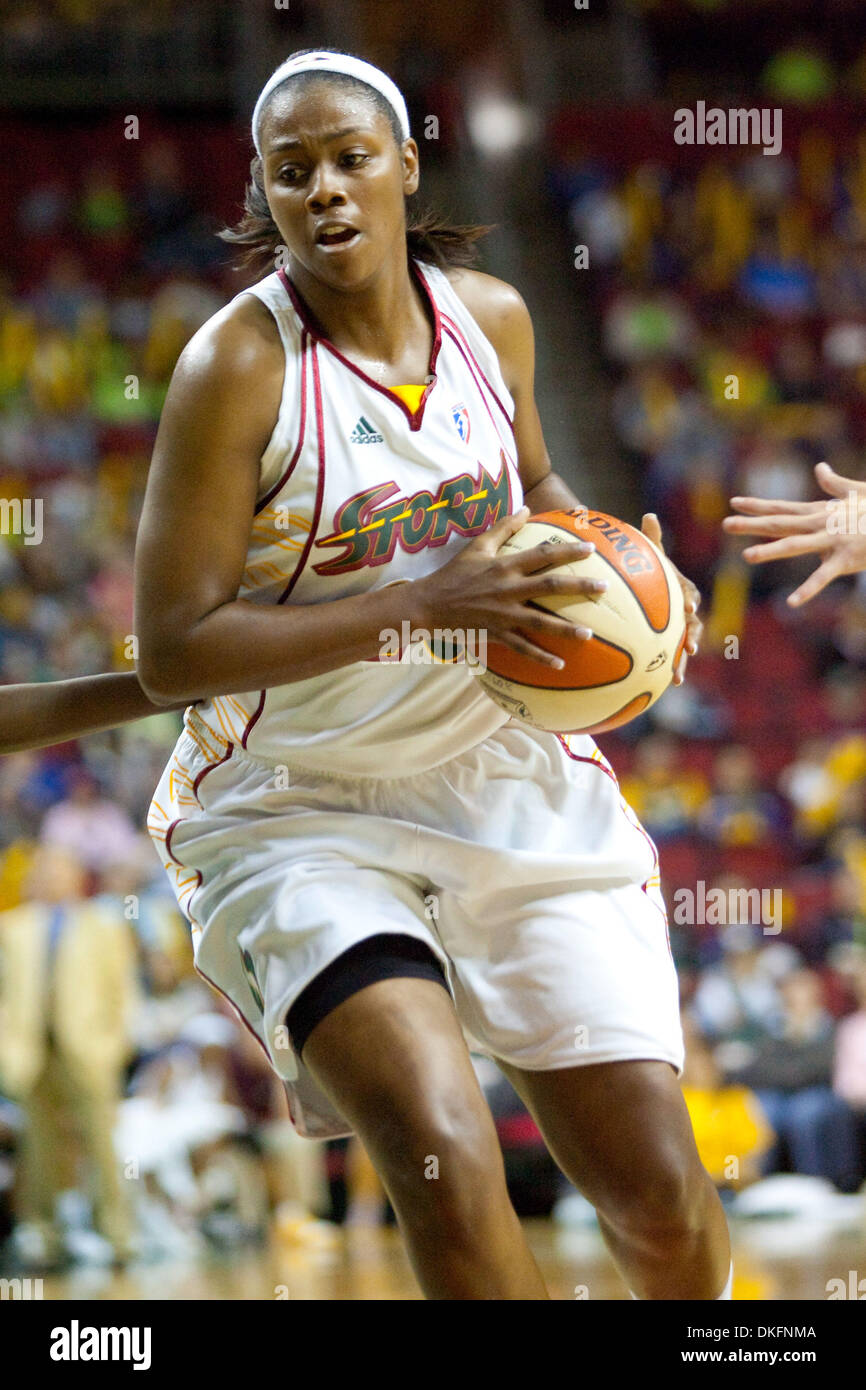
{"points": [[620, 1131], [393, 1059]]}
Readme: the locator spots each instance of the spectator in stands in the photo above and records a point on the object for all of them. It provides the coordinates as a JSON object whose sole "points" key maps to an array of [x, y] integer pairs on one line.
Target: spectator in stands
{"points": [[780, 286], [67, 992], [103, 210], [90, 825], [65, 294], [849, 1062], [738, 812], [738, 998], [731, 1129], [666, 795], [792, 1075]]}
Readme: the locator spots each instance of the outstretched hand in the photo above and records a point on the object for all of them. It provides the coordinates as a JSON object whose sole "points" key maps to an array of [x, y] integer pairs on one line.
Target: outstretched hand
{"points": [[832, 529], [691, 597]]}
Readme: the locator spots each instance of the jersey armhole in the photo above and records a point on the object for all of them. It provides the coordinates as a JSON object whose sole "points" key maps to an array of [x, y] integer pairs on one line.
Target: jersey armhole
{"points": [[288, 423]]}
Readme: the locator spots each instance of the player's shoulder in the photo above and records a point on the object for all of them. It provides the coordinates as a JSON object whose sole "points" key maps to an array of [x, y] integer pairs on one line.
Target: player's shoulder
{"points": [[501, 313], [237, 344], [497, 307]]}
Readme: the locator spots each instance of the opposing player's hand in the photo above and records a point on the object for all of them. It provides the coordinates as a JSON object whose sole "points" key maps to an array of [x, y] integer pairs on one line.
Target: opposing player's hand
{"points": [[482, 590], [831, 528], [651, 528]]}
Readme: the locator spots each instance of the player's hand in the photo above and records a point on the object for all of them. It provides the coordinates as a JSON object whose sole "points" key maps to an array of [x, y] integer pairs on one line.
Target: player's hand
{"points": [[834, 529], [691, 598], [481, 590]]}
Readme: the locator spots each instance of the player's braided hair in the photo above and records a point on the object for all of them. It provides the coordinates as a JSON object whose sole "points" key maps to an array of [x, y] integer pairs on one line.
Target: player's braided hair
{"points": [[428, 237]]}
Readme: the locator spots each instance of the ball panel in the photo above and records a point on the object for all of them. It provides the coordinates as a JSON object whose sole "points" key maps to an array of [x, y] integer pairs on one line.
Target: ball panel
{"points": [[588, 664], [629, 552], [628, 712], [625, 667]]}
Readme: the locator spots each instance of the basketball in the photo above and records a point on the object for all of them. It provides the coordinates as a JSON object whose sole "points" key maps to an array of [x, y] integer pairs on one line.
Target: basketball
{"points": [[638, 627]]}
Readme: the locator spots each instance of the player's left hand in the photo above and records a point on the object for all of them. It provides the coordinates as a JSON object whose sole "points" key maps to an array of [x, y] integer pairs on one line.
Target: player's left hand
{"points": [[832, 529], [691, 598]]}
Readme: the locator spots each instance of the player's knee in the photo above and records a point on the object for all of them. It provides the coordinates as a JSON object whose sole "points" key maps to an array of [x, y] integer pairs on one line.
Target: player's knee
{"points": [[443, 1169], [665, 1198]]}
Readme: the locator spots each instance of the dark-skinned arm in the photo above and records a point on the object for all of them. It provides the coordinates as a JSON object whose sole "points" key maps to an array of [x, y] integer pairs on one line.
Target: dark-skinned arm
{"points": [[42, 713], [196, 638]]}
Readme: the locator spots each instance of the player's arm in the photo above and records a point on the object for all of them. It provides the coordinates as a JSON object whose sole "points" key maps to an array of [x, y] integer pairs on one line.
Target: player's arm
{"points": [[504, 318], [196, 637], [41, 713], [832, 529]]}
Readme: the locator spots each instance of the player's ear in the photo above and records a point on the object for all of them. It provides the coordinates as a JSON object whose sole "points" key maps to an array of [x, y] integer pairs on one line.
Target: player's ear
{"points": [[411, 169]]}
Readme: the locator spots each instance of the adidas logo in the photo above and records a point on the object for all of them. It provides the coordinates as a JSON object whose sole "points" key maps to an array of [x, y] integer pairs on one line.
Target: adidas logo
{"points": [[364, 433]]}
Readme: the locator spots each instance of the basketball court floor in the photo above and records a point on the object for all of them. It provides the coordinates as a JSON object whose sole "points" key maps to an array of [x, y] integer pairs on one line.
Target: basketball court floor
{"points": [[782, 1259]]}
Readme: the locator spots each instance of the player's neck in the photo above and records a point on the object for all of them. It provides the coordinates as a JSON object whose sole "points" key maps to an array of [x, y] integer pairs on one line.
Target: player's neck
{"points": [[378, 320]]}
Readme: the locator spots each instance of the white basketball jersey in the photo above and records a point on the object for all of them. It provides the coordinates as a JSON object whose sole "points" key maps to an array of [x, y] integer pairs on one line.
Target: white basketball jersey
{"points": [[356, 491]]}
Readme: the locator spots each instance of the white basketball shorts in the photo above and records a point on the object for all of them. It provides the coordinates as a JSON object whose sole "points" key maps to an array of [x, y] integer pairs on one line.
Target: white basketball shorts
{"points": [[519, 863]]}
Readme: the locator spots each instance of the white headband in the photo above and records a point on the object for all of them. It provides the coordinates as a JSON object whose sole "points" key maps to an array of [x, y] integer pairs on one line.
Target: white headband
{"points": [[333, 62]]}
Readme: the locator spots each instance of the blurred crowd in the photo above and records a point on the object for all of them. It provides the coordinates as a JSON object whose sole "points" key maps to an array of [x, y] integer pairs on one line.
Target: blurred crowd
{"points": [[729, 290]]}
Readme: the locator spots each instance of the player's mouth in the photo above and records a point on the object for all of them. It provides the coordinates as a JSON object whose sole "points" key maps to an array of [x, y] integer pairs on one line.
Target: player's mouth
{"points": [[334, 236]]}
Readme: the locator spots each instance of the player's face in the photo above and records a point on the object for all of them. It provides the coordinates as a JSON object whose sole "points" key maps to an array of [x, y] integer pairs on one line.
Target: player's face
{"points": [[336, 181]]}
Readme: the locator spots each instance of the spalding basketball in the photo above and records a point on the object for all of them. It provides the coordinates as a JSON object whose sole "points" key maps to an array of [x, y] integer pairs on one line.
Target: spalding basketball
{"points": [[638, 625]]}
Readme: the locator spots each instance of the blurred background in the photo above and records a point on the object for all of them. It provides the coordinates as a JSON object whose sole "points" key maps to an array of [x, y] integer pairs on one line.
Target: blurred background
{"points": [[700, 315]]}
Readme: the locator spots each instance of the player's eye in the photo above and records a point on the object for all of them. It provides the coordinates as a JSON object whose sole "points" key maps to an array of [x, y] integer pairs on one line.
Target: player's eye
{"points": [[289, 173], [354, 158]]}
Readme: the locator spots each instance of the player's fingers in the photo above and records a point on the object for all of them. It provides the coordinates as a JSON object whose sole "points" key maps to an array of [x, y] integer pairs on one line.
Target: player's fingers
{"points": [[651, 528], [532, 617], [496, 535], [556, 581], [763, 506], [834, 483], [777, 525], [551, 553], [517, 641], [787, 547], [818, 580]]}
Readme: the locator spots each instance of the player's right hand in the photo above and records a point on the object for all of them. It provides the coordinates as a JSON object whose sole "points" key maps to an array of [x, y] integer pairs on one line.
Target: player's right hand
{"points": [[482, 590], [834, 529]]}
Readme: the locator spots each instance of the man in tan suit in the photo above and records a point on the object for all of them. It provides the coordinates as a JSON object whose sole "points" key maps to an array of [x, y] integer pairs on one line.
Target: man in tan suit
{"points": [[67, 994]]}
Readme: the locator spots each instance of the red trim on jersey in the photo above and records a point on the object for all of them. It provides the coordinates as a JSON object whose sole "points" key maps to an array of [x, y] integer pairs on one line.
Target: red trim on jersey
{"points": [[320, 481], [198, 969], [281, 482], [253, 719], [250, 1029], [456, 330], [581, 758], [210, 768], [180, 864], [317, 511], [636, 825], [456, 341], [416, 417]]}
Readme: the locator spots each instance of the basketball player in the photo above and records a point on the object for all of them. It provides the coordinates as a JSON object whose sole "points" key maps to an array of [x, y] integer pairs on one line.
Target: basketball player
{"points": [[382, 870], [835, 530]]}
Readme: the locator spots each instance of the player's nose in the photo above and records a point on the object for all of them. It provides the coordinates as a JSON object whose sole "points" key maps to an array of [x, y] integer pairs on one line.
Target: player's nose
{"points": [[324, 190]]}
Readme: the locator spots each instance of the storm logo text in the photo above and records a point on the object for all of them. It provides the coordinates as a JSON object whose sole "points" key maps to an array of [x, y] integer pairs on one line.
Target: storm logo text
{"points": [[368, 526]]}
